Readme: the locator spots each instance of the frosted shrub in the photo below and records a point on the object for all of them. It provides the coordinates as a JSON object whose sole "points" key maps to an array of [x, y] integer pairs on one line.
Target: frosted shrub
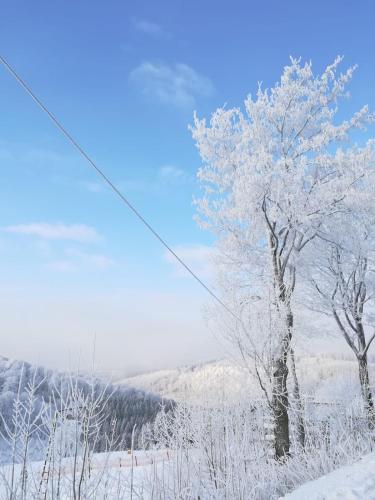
{"points": [[226, 452], [61, 434]]}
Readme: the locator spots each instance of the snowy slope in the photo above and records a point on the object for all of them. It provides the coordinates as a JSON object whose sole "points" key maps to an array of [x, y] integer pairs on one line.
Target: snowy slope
{"points": [[325, 378], [214, 381], [352, 482]]}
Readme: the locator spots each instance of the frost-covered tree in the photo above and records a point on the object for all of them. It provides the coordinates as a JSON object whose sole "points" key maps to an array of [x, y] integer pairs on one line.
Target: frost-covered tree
{"points": [[343, 276], [272, 175]]}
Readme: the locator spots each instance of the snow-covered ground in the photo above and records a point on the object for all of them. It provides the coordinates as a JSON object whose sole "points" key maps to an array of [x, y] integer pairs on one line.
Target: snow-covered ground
{"points": [[352, 482], [111, 475]]}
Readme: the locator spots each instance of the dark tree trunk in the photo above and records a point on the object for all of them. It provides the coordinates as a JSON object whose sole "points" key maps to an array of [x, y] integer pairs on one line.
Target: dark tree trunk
{"points": [[280, 403], [365, 388], [364, 378], [280, 397], [301, 434]]}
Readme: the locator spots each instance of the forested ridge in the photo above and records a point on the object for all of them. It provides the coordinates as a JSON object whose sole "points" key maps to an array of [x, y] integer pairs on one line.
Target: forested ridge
{"points": [[124, 408]]}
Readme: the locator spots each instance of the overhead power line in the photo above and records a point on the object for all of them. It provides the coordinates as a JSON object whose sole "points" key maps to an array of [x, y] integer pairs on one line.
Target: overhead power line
{"points": [[100, 172]]}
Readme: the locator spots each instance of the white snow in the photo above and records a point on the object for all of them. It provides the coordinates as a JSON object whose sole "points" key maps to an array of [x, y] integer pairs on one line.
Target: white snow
{"points": [[110, 475], [321, 377], [352, 482], [212, 381]]}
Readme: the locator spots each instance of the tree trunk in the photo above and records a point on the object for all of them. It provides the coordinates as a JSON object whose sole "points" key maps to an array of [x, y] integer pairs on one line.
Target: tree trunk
{"points": [[301, 434], [280, 404], [365, 389], [280, 397]]}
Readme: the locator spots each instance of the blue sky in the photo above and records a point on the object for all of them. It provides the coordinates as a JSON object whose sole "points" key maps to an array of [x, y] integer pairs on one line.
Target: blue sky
{"points": [[124, 78]]}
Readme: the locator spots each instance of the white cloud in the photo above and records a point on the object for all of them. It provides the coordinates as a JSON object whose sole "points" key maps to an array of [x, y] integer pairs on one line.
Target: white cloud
{"points": [[71, 232], [150, 28], [100, 261], [160, 179], [170, 174], [178, 85], [198, 257]]}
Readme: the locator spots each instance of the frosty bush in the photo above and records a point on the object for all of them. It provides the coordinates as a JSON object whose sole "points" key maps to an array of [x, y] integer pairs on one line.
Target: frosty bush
{"points": [[226, 452]]}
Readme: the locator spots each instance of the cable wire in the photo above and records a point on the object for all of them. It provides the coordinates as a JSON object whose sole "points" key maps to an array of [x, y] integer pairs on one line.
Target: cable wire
{"points": [[100, 172]]}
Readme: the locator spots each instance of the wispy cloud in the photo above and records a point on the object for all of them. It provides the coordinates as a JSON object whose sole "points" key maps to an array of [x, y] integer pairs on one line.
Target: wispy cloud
{"points": [[197, 256], [56, 167], [100, 261], [77, 260], [170, 174], [72, 232], [157, 181], [150, 28], [178, 85]]}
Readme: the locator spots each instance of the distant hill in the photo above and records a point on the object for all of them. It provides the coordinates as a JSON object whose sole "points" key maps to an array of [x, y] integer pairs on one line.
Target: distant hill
{"points": [[321, 377], [214, 380], [124, 405]]}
